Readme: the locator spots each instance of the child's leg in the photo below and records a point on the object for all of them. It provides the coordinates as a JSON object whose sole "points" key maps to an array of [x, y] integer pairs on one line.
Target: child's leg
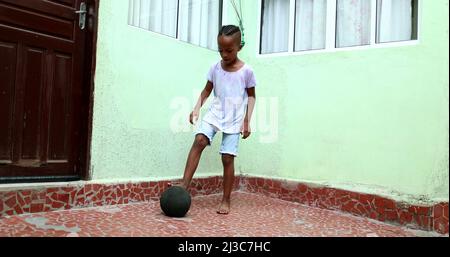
{"points": [[204, 135], [228, 181], [228, 149], [200, 142]]}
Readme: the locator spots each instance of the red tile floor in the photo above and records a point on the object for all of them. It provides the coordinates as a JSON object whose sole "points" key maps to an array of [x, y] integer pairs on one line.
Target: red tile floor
{"points": [[251, 215]]}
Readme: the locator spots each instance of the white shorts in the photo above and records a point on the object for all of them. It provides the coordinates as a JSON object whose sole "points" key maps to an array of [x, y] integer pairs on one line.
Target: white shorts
{"points": [[230, 142]]}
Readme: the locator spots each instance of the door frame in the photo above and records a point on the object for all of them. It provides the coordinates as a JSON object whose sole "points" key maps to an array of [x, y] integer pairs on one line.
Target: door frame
{"points": [[88, 94]]}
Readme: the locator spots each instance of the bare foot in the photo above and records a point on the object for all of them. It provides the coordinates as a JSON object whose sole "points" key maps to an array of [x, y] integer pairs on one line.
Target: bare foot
{"points": [[224, 207], [178, 184]]}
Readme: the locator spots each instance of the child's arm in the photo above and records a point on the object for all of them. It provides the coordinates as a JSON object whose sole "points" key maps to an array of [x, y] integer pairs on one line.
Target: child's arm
{"points": [[248, 115], [201, 100]]}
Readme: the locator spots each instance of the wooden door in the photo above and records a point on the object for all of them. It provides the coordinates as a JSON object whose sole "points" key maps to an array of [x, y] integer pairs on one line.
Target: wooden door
{"points": [[44, 90]]}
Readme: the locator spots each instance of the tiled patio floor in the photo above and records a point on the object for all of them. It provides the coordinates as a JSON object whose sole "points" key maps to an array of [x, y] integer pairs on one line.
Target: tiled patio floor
{"points": [[251, 215]]}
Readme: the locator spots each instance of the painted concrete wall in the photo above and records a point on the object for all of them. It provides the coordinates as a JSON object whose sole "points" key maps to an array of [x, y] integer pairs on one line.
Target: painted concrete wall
{"points": [[368, 120]]}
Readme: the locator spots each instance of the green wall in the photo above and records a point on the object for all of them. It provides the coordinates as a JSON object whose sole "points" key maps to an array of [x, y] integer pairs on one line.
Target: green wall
{"points": [[368, 120]]}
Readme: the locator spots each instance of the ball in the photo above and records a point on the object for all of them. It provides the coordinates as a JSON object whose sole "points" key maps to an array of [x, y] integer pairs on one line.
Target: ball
{"points": [[175, 201]]}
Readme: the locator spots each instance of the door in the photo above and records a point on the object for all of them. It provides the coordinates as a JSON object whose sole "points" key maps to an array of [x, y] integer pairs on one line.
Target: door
{"points": [[44, 90]]}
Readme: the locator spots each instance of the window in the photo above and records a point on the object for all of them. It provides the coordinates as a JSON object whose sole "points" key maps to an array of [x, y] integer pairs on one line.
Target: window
{"points": [[193, 21], [304, 25], [353, 20], [310, 24], [396, 20], [275, 26]]}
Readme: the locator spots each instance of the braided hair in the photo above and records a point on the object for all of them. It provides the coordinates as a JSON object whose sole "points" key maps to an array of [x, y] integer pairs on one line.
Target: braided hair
{"points": [[230, 30]]}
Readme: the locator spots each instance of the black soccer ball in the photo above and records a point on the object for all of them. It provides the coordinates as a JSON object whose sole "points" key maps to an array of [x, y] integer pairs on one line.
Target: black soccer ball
{"points": [[175, 201]]}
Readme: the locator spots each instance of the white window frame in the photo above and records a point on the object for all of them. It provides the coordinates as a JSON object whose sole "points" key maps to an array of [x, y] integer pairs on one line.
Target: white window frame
{"points": [[177, 37], [331, 32]]}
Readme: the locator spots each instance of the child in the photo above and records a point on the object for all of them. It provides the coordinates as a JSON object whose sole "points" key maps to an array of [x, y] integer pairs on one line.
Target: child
{"points": [[233, 83]]}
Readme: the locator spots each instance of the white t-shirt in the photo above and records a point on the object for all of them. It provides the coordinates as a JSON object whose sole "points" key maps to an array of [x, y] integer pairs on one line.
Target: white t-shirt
{"points": [[227, 110]]}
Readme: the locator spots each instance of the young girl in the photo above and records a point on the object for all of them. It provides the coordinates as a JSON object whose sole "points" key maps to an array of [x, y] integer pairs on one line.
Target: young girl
{"points": [[233, 83]]}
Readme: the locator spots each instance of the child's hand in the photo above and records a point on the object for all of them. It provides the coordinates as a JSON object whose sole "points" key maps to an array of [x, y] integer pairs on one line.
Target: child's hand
{"points": [[245, 130], [193, 117]]}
